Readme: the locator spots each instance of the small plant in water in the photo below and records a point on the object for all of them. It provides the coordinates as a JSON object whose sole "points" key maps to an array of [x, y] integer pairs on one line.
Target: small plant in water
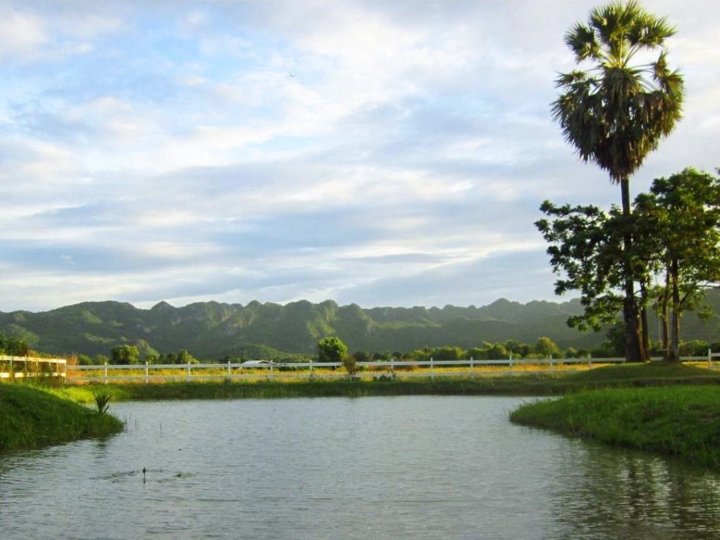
{"points": [[102, 400]]}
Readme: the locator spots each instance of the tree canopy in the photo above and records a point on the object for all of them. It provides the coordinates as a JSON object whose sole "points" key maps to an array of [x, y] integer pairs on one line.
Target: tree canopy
{"points": [[332, 349], [616, 111], [125, 354], [675, 258]]}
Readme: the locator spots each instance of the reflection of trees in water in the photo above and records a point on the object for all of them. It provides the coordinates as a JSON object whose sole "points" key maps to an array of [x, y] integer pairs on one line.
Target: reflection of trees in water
{"points": [[615, 493]]}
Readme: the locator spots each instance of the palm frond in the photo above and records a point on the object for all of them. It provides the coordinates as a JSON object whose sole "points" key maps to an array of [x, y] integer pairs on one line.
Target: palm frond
{"points": [[616, 113]]}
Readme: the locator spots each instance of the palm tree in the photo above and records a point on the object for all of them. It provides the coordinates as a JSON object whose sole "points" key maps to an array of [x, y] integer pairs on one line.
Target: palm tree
{"points": [[617, 110]]}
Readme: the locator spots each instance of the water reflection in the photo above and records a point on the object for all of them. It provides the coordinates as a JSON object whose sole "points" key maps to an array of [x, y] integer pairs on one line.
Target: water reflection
{"points": [[618, 493], [405, 467]]}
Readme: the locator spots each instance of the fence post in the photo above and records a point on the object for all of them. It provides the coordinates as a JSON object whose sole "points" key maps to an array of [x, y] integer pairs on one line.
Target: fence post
{"points": [[105, 373], [229, 371], [432, 369], [147, 372], [709, 357], [311, 367], [188, 372]]}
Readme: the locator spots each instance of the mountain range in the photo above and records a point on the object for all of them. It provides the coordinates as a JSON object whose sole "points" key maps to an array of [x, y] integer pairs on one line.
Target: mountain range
{"points": [[213, 330]]}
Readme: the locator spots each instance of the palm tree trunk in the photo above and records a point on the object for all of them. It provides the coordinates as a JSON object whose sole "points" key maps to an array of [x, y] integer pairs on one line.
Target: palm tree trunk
{"points": [[633, 340]]}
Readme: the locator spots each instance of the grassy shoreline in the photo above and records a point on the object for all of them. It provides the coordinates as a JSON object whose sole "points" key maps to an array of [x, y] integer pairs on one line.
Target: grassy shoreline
{"points": [[30, 417], [681, 421]]}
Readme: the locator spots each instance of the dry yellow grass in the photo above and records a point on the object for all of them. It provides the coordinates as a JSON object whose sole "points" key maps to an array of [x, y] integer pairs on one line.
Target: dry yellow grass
{"points": [[198, 374]]}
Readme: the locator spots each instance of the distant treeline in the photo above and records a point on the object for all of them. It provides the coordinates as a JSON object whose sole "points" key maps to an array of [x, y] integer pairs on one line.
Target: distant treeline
{"points": [[543, 348]]}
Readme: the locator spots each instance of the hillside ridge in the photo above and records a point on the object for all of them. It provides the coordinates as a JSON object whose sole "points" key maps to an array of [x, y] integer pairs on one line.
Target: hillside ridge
{"points": [[215, 330]]}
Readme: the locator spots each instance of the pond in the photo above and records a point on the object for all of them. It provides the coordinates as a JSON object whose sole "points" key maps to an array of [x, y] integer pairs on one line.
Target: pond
{"points": [[316, 468]]}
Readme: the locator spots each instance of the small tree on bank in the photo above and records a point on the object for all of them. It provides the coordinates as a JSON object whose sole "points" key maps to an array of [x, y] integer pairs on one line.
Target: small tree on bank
{"points": [[331, 349]]}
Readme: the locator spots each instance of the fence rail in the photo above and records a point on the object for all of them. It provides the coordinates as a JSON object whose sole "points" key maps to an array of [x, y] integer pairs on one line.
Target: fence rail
{"points": [[27, 367], [108, 373], [21, 367]]}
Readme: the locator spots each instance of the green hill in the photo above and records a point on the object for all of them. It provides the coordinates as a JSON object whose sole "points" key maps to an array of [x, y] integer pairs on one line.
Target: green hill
{"points": [[212, 330]]}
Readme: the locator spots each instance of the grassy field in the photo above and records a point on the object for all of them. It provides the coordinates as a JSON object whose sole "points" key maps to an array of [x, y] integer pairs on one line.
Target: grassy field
{"points": [[31, 417], [158, 375], [682, 421], [549, 382]]}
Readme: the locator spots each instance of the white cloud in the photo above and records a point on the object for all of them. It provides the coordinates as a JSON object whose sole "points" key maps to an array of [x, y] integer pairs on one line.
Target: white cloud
{"points": [[21, 34], [373, 152]]}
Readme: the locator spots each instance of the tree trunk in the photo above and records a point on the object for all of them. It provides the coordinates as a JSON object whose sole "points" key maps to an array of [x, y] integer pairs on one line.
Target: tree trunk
{"points": [[664, 314], [665, 320], [633, 340], [675, 326], [645, 334], [644, 329]]}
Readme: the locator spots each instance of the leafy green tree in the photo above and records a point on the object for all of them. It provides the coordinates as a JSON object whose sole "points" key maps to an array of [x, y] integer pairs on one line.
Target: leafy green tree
{"points": [[546, 347], [517, 348], [331, 349], [616, 112], [184, 357], [421, 354], [586, 250], [447, 353], [682, 218], [125, 355], [496, 351]]}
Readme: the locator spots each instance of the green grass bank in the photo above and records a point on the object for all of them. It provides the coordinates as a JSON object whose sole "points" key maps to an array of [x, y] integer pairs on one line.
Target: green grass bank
{"points": [[682, 421], [275, 390], [31, 418]]}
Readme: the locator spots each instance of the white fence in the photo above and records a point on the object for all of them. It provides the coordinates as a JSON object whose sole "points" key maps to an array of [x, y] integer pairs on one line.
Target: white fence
{"points": [[26, 367], [229, 371], [20, 367]]}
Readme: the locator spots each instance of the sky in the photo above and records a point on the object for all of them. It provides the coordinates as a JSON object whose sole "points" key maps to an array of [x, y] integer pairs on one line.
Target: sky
{"points": [[383, 153]]}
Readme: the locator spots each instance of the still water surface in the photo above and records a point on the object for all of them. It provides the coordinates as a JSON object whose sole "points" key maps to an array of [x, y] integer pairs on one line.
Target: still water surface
{"points": [[337, 468]]}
